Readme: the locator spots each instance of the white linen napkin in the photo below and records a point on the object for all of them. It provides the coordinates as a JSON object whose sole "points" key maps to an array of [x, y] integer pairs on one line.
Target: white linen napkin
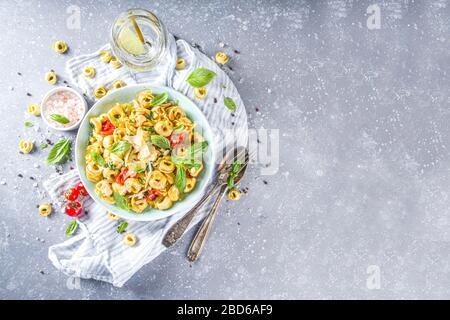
{"points": [[97, 250]]}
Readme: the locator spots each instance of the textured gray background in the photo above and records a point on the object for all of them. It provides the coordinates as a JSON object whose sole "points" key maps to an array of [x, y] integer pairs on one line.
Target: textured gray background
{"points": [[364, 175]]}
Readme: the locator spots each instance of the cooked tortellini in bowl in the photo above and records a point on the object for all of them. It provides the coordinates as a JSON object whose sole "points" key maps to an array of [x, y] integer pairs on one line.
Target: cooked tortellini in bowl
{"points": [[145, 154]]}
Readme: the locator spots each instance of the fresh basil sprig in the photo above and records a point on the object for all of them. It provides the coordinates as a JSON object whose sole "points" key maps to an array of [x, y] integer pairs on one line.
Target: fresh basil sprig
{"points": [[28, 124], [229, 103], [200, 77], [60, 152], [235, 168], [180, 178], [178, 127], [72, 228], [98, 159], [120, 147], [59, 118], [121, 201], [160, 141], [197, 149], [160, 99], [122, 227]]}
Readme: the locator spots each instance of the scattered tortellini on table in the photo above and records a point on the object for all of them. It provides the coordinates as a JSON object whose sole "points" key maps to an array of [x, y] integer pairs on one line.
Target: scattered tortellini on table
{"points": [[100, 92], [130, 239], [51, 77], [34, 109], [60, 47], [26, 146], [180, 64], [106, 56], [45, 209], [115, 63], [200, 93], [222, 57], [89, 72], [144, 154]]}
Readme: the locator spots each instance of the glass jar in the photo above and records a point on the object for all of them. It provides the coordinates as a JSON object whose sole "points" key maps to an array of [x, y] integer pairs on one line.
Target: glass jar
{"points": [[139, 39]]}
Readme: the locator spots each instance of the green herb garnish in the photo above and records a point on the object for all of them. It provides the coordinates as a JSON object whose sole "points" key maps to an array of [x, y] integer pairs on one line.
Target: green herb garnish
{"points": [[122, 227], [121, 201], [72, 228], [120, 147], [59, 118], [43, 145], [28, 124], [98, 159], [160, 99], [160, 141], [200, 77], [180, 179], [141, 180], [60, 152], [229, 103], [178, 127]]}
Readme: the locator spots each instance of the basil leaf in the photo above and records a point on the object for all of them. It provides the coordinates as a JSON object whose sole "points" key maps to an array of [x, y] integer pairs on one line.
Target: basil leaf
{"points": [[230, 181], [43, 145], [98, 159], [121, 201], [236, 167], [60, 152], [110, 165], [151, 130], [160, 99], [198, 149], [59, 118], [141, 180], [120, 147], [229, 103], [72, 228], [122, 227], [178, 127], [180, 179], [200, 77], [139, 170], [160, 141], [28, 124]]}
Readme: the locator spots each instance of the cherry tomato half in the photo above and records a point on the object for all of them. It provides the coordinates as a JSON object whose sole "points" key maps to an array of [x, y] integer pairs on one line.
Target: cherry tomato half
{"points": [[73, 209], [71, 194], [151, 195], [81, 189], [123, 176], [107, 127], [176, 139]]}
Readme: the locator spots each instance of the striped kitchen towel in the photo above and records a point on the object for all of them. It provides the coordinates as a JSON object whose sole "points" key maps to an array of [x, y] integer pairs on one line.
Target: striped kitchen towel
{"points": [[97, 250]]}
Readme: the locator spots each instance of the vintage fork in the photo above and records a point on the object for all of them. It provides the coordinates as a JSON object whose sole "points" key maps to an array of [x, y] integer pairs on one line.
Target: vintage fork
{"points": [[177, 230]]}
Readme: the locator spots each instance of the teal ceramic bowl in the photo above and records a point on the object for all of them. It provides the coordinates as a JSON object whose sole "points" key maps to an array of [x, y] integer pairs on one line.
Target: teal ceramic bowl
{"points": [[127, 94]]}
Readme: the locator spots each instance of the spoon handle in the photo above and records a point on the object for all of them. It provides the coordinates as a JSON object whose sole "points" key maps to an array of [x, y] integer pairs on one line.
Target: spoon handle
{"points": [[176, 231], [200, 238]]}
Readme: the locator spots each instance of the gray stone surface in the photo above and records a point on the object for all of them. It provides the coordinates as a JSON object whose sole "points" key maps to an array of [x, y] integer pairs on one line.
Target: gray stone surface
{"points": [[364, 151]]}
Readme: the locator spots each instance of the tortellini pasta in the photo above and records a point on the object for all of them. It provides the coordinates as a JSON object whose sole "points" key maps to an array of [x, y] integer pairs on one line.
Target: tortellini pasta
{"points": [[100, 92], [45, 209], [26, 146], [222, 57], [180, 64], [89, 72], [118, 84], [106, 56], [51, 77], [139, 154], [60, 46], [200, 93], [234, 194], [130, 239], [115, 63], [34, 109]]}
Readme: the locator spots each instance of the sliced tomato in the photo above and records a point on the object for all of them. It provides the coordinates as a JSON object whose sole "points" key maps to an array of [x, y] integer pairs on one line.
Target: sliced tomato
{"points": [[73, 209], [176, 139], [151, 194], [122, 176], [107, 127]]}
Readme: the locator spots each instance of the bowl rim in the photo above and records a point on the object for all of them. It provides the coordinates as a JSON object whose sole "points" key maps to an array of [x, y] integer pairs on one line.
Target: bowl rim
{"points": [[62, 88], [208, 174]]}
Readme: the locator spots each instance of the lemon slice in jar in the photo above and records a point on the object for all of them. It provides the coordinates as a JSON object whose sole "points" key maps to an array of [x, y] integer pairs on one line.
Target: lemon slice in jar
{"points": [[129, 41]]}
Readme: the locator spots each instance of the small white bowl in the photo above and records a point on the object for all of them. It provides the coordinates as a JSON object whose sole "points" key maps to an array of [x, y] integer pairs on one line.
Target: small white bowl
{"points": [[58, 89]]}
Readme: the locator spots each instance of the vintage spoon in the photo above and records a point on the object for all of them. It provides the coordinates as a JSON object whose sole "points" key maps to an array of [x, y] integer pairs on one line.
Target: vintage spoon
{"points": [[200, 238], [176, 231]]}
